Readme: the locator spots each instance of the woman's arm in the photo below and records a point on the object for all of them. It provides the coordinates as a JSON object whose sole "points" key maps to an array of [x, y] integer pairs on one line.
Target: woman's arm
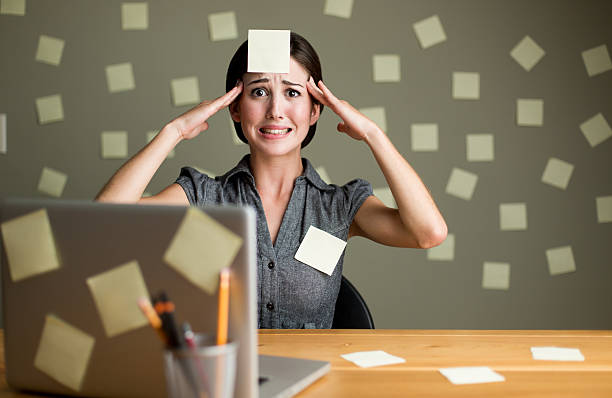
{"points": [[417, 222], [129, 182]]}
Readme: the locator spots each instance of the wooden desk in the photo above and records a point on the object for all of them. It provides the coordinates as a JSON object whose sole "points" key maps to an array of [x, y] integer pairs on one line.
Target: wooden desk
{"points": [[425, 351]]}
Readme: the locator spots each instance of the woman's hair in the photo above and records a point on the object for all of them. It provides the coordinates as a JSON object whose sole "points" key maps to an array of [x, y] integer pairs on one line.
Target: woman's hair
{"points": [[300, 50]]}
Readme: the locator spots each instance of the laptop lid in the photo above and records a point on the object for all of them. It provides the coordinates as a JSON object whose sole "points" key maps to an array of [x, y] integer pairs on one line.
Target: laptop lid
{"points": [[91, 238]]}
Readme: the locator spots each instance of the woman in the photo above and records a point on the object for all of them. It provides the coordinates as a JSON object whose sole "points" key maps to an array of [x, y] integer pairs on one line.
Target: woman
{"points": [[276, 114]]}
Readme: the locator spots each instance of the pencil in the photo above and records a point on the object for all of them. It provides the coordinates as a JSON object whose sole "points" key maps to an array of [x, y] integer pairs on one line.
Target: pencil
{"points": [[223, 313], [149, 312]]}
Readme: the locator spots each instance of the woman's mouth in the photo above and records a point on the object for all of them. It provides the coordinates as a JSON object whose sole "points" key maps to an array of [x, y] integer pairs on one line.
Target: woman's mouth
{"points": [[274, 132]]}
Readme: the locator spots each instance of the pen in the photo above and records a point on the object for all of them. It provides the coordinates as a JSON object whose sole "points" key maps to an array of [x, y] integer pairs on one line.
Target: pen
{"points": [[165, 309], [223, 313], [149, 312]]}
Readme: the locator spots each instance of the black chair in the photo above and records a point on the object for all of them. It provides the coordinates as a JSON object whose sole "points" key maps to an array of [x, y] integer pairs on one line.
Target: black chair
{"points": [[351, 309]]}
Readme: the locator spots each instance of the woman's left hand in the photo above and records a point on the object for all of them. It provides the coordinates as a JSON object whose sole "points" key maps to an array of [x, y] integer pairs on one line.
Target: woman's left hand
{"points": [[354, 123]]}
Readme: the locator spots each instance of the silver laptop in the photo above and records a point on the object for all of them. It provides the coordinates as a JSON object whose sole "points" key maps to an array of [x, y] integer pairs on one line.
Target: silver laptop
{"points": [[94, 237]]}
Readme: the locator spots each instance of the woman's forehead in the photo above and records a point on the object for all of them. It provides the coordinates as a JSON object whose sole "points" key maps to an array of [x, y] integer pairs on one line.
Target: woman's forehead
{"points": [[296, 73]]}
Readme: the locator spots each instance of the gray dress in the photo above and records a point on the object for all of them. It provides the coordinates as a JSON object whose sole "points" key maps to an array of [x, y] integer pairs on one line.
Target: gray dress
{"points": [[290, 293]]}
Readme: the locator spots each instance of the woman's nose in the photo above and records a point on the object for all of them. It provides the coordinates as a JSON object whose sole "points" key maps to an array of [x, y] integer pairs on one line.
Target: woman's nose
{"points": [[275, 106]]}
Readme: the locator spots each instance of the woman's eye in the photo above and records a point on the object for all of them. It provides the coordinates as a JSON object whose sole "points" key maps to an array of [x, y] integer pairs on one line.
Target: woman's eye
{"points": [[259, 92], [293, 93]]}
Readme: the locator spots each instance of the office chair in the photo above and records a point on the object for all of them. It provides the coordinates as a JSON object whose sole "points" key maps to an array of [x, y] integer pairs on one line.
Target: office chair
{"points": [[351, 309]]}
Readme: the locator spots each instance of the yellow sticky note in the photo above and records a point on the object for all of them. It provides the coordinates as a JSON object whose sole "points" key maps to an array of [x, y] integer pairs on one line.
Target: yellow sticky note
{"points": [[50, 109], [269, 51], [222, 26], [114, 144], [480, 147], [597, 60], [116, 293], [466, 85], [120, 77], [461, 183], [424, 137], [527, 53], [52, 182], [560, 260], [529, 112], [200, 248], [185, 91], [49, 50], [30, 245], [3, 133], [64, 352], [134, 16], [596, 130], [557, 173], [13, 7], [338, 8], [513, 216], [429, 31], [496, 275], [386, 68]]}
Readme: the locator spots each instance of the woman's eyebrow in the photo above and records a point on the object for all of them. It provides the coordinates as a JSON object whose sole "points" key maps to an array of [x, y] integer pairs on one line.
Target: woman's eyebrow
{"points": [[266, 80]]}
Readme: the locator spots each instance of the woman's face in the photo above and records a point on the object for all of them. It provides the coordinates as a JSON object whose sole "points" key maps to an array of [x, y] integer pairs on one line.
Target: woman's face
{"points": [[275, 110]]}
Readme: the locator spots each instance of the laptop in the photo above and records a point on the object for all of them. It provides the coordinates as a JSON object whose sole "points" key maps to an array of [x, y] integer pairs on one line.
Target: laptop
{"points": [[91, 238]]}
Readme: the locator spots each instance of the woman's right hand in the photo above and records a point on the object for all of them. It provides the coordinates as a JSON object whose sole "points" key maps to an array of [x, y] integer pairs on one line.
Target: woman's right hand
{"points": [[194, 121]]}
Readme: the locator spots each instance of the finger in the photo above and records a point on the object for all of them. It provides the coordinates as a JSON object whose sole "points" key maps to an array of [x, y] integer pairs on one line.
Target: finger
{"points": [[316, 91], [229, 97], [332, 98], [341, 127]]}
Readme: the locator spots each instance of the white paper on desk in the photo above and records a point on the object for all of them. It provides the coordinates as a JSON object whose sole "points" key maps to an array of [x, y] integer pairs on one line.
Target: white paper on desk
{"points": [[471, 375], [368, 359], [556, 354], [320, 250], [268, 51]]}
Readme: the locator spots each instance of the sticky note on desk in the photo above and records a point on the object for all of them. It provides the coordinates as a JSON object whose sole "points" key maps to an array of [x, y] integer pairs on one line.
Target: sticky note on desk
{"points": [[30, 245], [556, 354], [320, 250], [471, 375], [116, 293], [368, 359], [200, 248], [268, 51], [64, 352]]}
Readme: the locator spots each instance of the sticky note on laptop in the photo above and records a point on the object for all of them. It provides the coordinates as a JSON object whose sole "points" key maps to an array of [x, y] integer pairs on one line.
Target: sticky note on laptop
{"points": [[320, 250], [268, 51], [116, 293], [64, 352], [200, 248], [30, 245]]}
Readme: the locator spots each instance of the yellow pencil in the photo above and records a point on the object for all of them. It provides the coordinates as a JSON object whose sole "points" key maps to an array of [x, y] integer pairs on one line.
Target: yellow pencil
{"points": [[223, 314], [149, 312]]}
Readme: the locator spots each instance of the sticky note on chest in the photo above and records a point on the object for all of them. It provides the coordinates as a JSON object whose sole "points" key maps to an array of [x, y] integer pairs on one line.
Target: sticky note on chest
{"points": [[268, 51], [320, 250]]}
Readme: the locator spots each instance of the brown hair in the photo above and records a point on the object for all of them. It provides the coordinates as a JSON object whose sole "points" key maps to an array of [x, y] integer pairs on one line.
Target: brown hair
{"points": [[300, 50]]}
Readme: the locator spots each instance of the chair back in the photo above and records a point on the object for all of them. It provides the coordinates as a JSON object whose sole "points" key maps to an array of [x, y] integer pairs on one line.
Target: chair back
{"points": [[351, 309]]}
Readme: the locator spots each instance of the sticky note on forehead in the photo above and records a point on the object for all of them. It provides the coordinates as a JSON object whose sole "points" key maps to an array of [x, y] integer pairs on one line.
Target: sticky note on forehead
{"points": [[268, 51]]}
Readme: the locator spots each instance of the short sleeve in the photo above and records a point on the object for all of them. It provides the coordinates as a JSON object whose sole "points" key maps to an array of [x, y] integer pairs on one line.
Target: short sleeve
{"points": [[356, 192], [194, 184]]}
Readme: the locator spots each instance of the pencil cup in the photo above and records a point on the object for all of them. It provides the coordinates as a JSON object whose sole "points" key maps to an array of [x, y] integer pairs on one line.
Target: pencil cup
{"points": [[204, 371]]}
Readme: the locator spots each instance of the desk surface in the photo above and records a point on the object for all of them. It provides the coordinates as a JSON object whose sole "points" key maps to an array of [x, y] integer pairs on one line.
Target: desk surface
{"points": [[425, 351]]}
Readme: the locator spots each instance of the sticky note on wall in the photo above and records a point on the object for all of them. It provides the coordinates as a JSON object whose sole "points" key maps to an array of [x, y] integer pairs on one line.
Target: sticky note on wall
{"points": [[30, 245], [200, 248], [527, 53], [596, 130], [134, 16], [114, 144], [444, 251], [429, 31], [120, 77], [52, 182], [50, 109], [268, 51], [560, 260], [597, 60], [13, 7], [50, 50], [3, 133], [338, 8], [116, 293], [222, 26], [424, 137], [185, 91], [64, 352]]}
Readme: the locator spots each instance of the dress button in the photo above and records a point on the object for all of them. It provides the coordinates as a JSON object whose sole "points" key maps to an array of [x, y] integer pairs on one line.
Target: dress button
{"points": [[270, 306], [271, 265]]}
